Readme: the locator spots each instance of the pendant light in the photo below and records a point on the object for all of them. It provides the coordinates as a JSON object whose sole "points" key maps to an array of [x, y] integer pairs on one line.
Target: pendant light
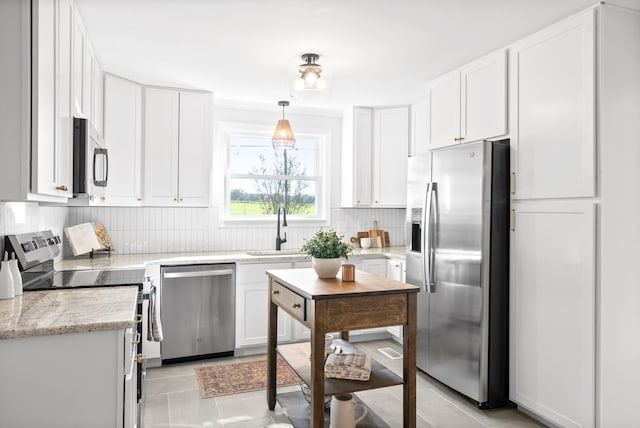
{"points": [[283, 137]]}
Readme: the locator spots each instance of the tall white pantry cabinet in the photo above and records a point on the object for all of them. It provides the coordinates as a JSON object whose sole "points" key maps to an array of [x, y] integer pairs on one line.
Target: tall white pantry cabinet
{"points": [[575, 240]]}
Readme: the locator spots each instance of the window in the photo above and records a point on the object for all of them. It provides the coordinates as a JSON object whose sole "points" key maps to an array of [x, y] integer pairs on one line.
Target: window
{"points": [[260, 178]]}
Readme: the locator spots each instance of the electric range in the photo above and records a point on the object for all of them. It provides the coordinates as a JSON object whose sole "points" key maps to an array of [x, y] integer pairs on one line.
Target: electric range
{"points": [[36, 252]]}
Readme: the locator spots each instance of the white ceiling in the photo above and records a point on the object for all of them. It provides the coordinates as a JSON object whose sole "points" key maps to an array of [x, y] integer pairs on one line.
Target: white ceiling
{"points": [[377, 52]]}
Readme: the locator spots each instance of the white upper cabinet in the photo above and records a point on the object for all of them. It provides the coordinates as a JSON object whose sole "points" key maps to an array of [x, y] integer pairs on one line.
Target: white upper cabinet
{"points": [[553, 116], [420, 142], [178, 139], [79, 42], [468, 104], [52, 125], [391, 145], [98, 98], [161, 145], [380, 146], [123, 139], [483, 106], [196, 139], [362, 156], [444, 109], [88, 86]]}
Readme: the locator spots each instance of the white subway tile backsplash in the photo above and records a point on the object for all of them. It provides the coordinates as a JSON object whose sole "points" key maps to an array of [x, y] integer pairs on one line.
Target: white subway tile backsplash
{"points": [[137, 230]]}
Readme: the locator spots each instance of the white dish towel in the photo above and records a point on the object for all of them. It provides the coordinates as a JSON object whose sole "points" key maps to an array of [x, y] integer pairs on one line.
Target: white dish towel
{"points": [[154, 327]]}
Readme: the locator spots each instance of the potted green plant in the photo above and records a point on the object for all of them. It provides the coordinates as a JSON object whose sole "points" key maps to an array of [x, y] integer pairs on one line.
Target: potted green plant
{"points": [[326, 249]]}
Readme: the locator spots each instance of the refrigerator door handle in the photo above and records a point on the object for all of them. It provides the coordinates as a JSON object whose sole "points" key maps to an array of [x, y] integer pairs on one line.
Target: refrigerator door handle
{"points": [[427, 248], [424, 237]]}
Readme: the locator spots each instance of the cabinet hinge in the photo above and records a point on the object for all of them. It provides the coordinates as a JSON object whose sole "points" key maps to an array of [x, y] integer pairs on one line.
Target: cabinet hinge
{"points": [[512, 220], [512, 182]]}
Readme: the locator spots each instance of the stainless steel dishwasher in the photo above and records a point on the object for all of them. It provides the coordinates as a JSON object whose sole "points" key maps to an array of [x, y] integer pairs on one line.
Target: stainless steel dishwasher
{"points": [[197, 311]]}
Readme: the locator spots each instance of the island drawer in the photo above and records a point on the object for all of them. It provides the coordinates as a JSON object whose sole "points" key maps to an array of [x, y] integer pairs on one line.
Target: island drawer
{"points": [[288, 300]]}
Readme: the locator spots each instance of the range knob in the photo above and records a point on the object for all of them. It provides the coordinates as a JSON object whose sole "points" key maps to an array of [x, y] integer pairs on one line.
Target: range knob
{"points": [[27, 246]]}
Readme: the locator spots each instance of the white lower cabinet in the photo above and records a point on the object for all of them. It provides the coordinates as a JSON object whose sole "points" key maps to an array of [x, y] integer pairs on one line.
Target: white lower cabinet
{"points": [[376, 266], [68, 380], [552, 311], [299, 331], [252, 307], [395, 270]]}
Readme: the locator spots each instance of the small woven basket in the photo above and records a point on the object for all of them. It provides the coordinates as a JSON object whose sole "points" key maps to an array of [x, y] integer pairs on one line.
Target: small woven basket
{"points": [[306, 393]]}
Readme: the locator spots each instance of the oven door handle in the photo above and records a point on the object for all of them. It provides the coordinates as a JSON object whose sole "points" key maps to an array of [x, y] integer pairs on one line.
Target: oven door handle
{"points": [[196, 274]]}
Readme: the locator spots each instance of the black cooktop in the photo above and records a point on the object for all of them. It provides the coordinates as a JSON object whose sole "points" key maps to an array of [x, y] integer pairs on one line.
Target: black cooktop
{"points": [[53, 280]]}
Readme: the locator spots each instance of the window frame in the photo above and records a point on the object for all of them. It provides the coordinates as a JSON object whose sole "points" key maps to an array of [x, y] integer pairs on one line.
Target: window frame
{"points": [[321, 179]]}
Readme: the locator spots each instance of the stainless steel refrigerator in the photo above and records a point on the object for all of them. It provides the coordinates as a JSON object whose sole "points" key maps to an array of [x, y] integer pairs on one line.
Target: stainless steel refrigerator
{"points": [[458, 253]]}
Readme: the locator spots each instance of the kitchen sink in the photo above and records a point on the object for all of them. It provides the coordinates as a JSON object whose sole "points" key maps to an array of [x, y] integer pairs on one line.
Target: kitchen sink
{"points": [[274, 252]]}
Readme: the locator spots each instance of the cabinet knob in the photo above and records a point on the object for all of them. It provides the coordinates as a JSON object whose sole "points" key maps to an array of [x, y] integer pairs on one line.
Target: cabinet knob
{"points": [[276, 291], [139, 199], [458, 139], [180, 199], [175, 199], [102, 198], [296, 305], [63, 188]]}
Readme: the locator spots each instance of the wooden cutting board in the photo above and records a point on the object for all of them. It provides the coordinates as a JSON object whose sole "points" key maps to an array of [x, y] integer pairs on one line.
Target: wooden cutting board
{"points": [[362, 235], [374, 233]]}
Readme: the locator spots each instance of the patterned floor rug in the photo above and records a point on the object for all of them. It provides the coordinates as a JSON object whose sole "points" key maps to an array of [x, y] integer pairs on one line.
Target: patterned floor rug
{"points": [[241, 377]]}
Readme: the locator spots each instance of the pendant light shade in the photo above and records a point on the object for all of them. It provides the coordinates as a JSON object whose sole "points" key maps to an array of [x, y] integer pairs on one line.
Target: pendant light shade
{"points": [[283, 137]]}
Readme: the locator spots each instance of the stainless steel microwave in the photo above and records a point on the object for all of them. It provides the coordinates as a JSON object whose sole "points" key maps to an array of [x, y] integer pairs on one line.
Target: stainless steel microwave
{"points": [[90, 159]]}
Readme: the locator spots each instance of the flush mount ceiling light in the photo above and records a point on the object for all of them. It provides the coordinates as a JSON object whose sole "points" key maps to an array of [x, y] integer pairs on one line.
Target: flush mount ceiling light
{"points": [[283, 137], [310, 74]]}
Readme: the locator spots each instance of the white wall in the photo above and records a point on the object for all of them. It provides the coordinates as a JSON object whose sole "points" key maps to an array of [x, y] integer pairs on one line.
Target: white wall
{"points": [[23, 217], [619, 226]]}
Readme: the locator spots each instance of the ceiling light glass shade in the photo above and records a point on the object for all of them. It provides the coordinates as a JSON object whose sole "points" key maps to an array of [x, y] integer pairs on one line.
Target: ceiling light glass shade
{"points": [[310, 75], [322, 83], [299, 84], [283, 137]]}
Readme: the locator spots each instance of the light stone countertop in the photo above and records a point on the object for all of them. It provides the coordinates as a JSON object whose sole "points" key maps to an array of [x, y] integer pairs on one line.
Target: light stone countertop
{"points": [[130, 261], [43, 313], [40, 313]]}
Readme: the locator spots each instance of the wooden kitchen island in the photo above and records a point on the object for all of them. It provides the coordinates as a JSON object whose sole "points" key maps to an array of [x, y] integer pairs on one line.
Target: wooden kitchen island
{"points": [[331, 305]]}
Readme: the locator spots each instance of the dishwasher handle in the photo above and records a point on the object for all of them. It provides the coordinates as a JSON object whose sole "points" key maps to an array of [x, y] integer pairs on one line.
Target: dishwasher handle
{"points": [[197, 274]]}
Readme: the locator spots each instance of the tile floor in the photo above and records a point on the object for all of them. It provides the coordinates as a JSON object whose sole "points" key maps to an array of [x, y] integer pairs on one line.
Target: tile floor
{"points": [[173, 400]]}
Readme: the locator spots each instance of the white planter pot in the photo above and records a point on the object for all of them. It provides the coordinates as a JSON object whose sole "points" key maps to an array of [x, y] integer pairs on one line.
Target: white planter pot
{"points": [[326, 268]]}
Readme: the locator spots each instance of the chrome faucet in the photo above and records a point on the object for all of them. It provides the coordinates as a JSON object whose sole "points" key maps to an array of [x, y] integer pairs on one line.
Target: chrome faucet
{"points": [[280, 241]]}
